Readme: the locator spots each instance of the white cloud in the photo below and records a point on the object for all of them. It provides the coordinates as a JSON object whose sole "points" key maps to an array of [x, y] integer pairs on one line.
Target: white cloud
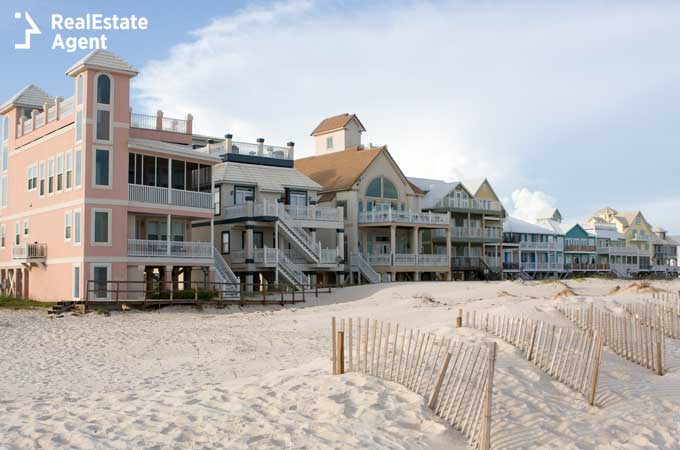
{"points": [[457, 90], [529, 205]]}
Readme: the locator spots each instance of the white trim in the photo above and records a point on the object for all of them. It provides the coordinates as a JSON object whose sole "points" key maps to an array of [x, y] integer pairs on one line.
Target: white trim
{"points": [[109, 243], [96, 107], [79, 222], [77, 184], [79, 283], [121, 125], [68, 223], [42, 139], [108, 278]]}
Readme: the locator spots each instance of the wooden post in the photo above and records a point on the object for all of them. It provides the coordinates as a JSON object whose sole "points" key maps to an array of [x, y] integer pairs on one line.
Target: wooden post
{"points": [[485, 440], [440, 380], [349, 345], [659, 363], [596, 371], [340, 364], [532, 340], [333, 345], [459, 318]]}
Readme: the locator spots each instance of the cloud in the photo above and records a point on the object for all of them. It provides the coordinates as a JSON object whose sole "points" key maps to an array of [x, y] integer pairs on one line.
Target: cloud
{"points": [[530, 205], [523, 93]]}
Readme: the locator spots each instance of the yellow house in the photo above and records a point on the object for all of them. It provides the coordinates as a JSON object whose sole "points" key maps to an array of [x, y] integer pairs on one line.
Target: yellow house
{"points": [[633, 225]]}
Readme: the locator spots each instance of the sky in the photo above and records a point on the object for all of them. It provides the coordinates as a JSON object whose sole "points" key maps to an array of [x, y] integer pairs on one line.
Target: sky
{"points": [[572, 105]]}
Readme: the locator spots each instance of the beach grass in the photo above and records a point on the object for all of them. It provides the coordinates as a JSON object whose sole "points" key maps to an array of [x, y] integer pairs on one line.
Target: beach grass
{"points": [[22, 303]]}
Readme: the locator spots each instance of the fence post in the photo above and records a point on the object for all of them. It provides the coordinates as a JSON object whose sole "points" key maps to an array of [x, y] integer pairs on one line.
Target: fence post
{"points": [[485, 441], [459, 318], [659, 363], [440, 380], [340, 364], [596, 370], [333, 344], [531, 344]]}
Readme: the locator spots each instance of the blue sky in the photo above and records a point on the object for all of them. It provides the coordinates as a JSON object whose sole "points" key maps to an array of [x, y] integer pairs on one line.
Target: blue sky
{"points": [[574, 106]]}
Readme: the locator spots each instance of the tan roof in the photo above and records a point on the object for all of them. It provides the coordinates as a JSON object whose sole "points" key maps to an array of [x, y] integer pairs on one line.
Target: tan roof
{"points": [[628, 217], [338, 171], [102, 60], [336, 123]]}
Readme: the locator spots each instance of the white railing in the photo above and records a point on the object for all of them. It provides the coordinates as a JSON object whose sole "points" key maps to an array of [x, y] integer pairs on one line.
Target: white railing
{"points": [[174, 249], [223, 268], [462, 203], [427, 218], [378, 260], [29, 251], [43, 118], [623, 250], [321, 213], [159, 123], [624, 268], [66, 107], [433, 260], [541, 266], [40, 120], [291, 270], [235, 211], [164, 196], [475, 232], [359, 263], [528, 245], [51, 113], [306, 242], [249, 149], [406, 259]]}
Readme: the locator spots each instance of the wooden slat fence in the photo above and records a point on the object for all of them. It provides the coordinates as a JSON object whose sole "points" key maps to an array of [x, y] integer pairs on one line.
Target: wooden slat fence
{"points": [[567, 354], [663, 308], [636, 340], [455, 377]]}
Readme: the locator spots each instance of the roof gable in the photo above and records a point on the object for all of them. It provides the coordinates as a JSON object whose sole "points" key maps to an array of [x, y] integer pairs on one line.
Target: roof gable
{"points": [[338, 171], [336, 123], [577, 231], [102, 60], [266, 178]]}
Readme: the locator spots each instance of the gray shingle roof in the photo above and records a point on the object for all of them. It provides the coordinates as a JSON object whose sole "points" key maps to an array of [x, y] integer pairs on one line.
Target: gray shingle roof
{"points": [[31, 96], [515, 225], [103, 60], [267, 178], [435, 190]]}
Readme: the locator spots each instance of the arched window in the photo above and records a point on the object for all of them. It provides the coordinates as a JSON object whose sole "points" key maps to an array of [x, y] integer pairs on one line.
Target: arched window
{"points": [[374, 188], [389, 190], [79, 90], [104, 90]]}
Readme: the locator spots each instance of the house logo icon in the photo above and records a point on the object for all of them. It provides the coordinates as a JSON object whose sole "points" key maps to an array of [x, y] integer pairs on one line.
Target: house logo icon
{"points": [[33, 29]]}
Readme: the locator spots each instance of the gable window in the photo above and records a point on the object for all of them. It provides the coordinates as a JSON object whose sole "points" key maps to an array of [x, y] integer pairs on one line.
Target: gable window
{"points": [[60, 172], [329, 143], [374, 188], [103, 90], [389, 190], [226, 245], [381, 187], [102, 167]]}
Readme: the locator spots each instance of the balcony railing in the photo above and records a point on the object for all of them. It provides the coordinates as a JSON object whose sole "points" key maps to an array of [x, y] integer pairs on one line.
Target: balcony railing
{"points": [[579, 248], [273, 209], [467, 263], [158, 123], [407, 259], [409, 217], [326, 256], [475, 233], [314, 212], [61, 109], [173, 249], [249, 149], [29, 251], [538, 267], [528, 245], [165, 196], [463, 203], [583, 266], [510, 266]]}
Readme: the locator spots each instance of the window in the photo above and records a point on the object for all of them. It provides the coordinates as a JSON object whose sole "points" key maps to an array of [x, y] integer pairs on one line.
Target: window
{"points": [[79, 90], [4, 191], [79, 126], [103, 90], [32, 178], [258, 239], [161, 172], [216, 201], [42, 178], [5, 128], [67, 226], [76, 282], [374, 188], [297, 198], [3, 235], [100, 276], [69, 170], [389, 190], [149, 168], [60, 172], [76, 226], [103, 122], [102, 167], [50, 176], [101, 224], [79, 165], [242, 194], [178, 175], [26, 227], [329, 142], [225, 243], [17, 233]]}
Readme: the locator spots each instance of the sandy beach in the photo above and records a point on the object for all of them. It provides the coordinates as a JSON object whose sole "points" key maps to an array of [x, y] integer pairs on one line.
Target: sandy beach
{"points": [[260, 378]]}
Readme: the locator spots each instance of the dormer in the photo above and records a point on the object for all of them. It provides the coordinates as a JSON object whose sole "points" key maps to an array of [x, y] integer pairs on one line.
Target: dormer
{"points": [[338, 133]]}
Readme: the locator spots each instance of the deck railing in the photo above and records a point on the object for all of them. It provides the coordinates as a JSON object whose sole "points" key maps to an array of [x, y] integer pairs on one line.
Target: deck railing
{"points": [[461, 203], [584, 266], [273, 209], [528, 245], [29, 251], [158, 123], [579, 248], [313, 212], [418, 218], [407, 259], [475, 232], [60, 110], [541, 266], [165, 196], [174, 249], [249, 149]]}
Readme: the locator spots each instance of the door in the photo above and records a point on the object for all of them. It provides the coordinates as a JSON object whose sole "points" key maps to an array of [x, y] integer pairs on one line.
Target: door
{"points": [[241, 193]]}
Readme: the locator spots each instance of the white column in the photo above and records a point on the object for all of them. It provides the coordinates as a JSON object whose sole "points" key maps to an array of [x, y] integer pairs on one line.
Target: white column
{"points": [[276, 245], [168, 232], [212, 220], [170, 181]]}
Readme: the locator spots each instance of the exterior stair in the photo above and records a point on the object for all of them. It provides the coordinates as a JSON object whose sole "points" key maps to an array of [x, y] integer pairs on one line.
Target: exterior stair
{"points": [[359, 264], [224, 274], [525, 276], [291, 271], [298, 236], [60, 308]]}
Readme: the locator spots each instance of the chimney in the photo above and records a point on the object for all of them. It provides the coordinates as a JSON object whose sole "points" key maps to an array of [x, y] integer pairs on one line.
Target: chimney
{"points": [[260, 146], [291, 150], [227, 143]]}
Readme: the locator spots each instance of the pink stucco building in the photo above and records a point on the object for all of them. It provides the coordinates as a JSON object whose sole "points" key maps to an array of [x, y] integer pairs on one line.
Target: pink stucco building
{"points": [[91, 192]]}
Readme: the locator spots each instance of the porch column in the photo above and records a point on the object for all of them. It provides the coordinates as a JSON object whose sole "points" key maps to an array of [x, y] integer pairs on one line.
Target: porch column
{"points": [[167, 279], [393, 241], [415, 243], [170, 181], [17, 283], [25, 283], [212, 219], [448, 250], [250, 256], [168, 232], [340, 248]]}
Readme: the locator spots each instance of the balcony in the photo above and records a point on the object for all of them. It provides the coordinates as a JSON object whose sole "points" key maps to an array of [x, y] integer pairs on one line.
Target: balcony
{"points": [[468, 204], [269, 256], [407, 260], [405, 217], [467, 263], [274, 209], [510, 266], [528, 245], [316, 213], [542, 267], [475, 233], [30, 252], [61, 109], [171, 249], [249, 152], [580, 248], [159, 123], [581, 267], [171, 197]]}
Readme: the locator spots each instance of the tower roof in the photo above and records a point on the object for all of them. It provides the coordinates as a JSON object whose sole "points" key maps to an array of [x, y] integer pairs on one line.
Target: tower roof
{"points": [[31, 96], [102, 60], [336, 123]]}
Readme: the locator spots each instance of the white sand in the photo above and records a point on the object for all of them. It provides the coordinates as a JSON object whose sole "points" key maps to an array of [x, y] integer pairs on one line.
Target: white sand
{"points": [[182, 378]]}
